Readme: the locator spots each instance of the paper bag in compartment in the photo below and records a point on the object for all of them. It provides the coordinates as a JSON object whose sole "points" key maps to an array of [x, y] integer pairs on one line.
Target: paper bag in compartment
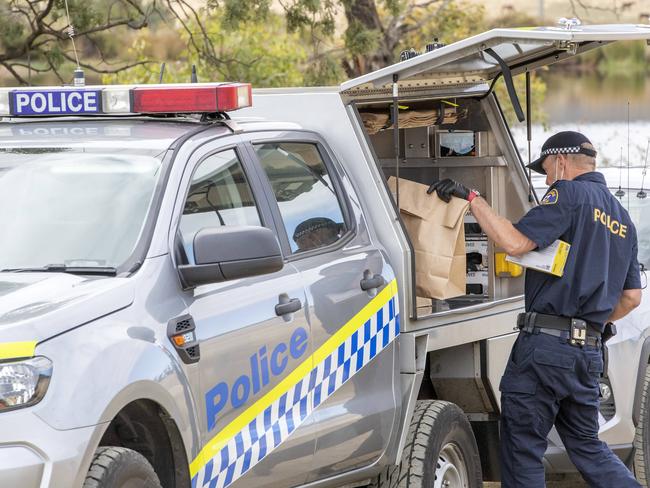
{"points": [[438, 236]]}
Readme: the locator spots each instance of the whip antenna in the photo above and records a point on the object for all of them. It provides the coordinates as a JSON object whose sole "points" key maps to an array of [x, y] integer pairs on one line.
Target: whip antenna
{"points": [[79, 78], [620, 193], [642, 194], [628, 154]]}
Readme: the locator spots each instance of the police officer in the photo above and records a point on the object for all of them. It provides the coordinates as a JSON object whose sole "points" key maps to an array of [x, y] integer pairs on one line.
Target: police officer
{"points": [[553, 371]]}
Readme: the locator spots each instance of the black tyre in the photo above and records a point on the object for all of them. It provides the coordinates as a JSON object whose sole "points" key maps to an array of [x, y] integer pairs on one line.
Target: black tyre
{"points": [[119, 467], [440, 451], [642, 436]]}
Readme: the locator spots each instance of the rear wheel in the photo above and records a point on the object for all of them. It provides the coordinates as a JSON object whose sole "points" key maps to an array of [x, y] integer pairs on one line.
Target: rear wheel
{"points": [[642, 436], [440, 451], [119, 467]]}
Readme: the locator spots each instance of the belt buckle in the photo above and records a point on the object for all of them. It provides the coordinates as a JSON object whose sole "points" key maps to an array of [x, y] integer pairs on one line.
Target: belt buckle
{"points": [[578, 332]]}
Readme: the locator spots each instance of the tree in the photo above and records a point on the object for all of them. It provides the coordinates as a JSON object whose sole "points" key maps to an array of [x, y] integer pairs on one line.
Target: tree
{"points": [[36, 35], [375, 31], [259, 51]]}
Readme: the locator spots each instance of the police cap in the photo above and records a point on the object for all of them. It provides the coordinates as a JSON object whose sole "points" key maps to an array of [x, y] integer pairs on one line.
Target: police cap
{"points": [[565, 142]]}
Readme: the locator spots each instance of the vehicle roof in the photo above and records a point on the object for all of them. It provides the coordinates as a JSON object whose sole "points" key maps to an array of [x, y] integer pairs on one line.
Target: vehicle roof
{"points": [[124, 132]]}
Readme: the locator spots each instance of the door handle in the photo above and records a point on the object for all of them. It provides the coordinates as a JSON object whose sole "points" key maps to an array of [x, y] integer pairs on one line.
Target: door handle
{"points": [[370, 282], [287, 306]]}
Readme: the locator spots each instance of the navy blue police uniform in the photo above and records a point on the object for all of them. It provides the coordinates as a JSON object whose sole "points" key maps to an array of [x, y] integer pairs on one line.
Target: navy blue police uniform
{"points": [[548, 380]]}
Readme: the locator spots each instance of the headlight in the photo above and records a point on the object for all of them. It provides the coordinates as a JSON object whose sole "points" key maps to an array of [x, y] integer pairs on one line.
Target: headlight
{"points": [[24, 383]]}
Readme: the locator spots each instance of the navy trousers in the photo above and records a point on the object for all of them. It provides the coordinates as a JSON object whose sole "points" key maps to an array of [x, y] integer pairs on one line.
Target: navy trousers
{"points": [[548, 381]]}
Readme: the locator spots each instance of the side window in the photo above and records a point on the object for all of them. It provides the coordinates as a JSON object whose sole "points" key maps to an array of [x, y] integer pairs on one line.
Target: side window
{"points": [[219, 195], [305, 194]]}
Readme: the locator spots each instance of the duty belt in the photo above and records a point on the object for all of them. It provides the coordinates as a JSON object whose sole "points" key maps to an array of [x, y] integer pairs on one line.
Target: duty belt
{"points": [[577, 331]]}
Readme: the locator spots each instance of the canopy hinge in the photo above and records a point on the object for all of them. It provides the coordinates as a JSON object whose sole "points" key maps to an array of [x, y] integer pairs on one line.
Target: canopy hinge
{"points": [[568, 46]]}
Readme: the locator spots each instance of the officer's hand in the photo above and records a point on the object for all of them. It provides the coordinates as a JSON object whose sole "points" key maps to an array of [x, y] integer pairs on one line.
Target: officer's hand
{"points": [[448, 188]]}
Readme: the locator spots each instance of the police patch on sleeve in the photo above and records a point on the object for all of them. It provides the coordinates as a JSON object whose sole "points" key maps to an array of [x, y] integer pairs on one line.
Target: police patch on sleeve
{"points": [[551, 197]]}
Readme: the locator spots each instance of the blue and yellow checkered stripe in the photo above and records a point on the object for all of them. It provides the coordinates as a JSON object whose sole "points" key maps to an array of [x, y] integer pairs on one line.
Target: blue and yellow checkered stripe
{"points": [[270, 421]]}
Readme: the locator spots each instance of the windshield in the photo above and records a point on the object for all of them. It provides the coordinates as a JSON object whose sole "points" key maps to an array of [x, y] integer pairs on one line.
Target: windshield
{"points": [[74, 206]]}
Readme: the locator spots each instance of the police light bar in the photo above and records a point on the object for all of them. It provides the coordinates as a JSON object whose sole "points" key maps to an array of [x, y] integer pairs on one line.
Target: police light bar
{"points": [[125, 100]]}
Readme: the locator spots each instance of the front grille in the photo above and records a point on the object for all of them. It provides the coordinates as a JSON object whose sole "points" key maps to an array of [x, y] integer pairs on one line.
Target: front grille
{"points": [[608, 410]]}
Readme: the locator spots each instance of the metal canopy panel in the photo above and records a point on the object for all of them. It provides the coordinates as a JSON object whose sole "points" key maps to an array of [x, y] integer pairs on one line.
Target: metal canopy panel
{"points": [[466, 62]]}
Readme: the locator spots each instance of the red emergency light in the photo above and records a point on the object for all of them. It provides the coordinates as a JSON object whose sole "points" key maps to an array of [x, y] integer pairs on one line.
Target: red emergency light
{"points": [[191, 99]]}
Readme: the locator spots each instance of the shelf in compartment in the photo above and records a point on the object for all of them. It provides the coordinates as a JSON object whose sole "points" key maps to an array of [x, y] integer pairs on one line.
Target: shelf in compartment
{"points": [[468, 162]]}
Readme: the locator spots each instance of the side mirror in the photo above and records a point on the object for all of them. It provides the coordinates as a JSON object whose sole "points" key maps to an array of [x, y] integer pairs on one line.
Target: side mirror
{"points": [[228, 253]]}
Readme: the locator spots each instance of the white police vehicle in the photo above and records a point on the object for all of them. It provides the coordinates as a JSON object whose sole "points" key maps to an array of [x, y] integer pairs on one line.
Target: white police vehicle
{"points": [[192, 300]]}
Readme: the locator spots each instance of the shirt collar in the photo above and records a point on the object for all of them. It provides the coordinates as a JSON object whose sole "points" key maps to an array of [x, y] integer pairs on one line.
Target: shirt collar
{"points": [[593, 176]]}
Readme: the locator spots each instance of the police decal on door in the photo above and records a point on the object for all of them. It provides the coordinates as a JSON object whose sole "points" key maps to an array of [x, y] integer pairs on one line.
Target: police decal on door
{"points": [[268, 422]]}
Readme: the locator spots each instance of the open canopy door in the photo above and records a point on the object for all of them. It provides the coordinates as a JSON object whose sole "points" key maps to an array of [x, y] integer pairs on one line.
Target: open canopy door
{"points": [[482, 58]]}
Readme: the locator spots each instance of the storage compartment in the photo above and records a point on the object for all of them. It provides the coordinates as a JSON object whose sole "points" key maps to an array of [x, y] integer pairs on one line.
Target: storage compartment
{"points": [[453, 138]]}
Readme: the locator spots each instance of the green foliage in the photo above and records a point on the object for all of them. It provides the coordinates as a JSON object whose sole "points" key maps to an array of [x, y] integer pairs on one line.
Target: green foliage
{"points": [[394, 7], [622, 59], [12, 30], [236, 12], [259, 52], [325, 70], [35, 41], [538, 90], [450, 23], [360, 41], [317, 17]]}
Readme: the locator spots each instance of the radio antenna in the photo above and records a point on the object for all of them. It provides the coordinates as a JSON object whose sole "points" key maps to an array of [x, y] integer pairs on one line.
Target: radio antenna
{"points": [[79, 78], [628, 154], [620, 193], [162, 73], [642, 194]]}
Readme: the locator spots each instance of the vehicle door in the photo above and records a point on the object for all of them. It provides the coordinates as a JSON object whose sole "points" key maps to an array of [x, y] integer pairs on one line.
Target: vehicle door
{"points": [[252, 333], [351, 299]]}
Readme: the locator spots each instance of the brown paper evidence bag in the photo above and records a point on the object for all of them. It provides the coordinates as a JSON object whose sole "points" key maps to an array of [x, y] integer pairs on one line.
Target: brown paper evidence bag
{"points": [[437, 233]]}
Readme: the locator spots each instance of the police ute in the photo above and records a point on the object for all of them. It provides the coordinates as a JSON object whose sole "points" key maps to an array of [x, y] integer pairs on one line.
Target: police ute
{"points": [[207, 286]]}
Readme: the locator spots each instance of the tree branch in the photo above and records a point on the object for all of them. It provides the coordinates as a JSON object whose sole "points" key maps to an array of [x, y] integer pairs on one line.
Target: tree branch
{"points": [[13, 72], [107, 71]]}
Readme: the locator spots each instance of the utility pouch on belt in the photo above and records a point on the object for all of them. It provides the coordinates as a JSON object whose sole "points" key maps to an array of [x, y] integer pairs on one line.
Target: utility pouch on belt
{"points": [[578, 335], [608, 333]]}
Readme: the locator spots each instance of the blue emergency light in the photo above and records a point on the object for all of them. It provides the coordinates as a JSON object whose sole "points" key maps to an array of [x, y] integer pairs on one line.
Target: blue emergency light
{"points": [[55, 102], [125, 100]]}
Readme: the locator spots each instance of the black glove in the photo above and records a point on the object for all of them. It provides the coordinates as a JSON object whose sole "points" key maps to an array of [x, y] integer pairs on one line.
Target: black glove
{"points": [[448, 188]]}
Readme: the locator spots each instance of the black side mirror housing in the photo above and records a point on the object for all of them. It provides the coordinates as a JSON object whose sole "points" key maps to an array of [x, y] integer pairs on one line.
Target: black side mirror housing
{"points": [[231, 252]]}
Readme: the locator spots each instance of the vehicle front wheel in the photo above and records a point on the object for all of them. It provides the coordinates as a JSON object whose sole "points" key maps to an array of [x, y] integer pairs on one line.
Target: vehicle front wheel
{"points": [[119, 467], [440, 451]]}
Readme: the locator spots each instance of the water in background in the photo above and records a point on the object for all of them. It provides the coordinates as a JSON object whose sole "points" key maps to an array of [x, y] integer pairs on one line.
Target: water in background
{"points": [[598, 108]]}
